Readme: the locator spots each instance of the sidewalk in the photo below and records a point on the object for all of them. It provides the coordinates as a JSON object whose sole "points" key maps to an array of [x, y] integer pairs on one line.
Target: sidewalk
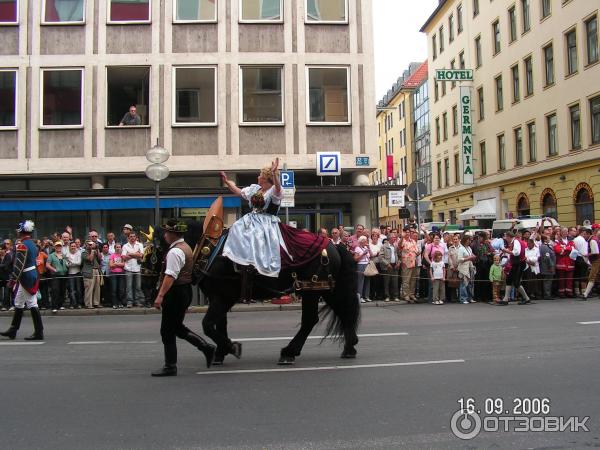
{"points": [[254, 307]]}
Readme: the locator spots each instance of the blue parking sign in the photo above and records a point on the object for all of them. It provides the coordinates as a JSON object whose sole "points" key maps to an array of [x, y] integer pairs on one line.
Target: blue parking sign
{"points": [[287, 178]]}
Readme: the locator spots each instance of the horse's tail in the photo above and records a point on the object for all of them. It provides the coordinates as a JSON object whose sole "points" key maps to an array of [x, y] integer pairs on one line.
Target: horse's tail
{"points": [[343, 310]]}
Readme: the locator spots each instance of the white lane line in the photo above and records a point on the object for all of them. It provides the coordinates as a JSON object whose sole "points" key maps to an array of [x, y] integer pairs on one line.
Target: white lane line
{"points": [[358, 366], [11, 344], [109, 342], [589, 323], [287, 338]]}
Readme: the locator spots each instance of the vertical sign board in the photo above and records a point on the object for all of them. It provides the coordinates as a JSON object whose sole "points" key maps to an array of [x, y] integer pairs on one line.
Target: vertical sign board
{"points": [[466, 135]]}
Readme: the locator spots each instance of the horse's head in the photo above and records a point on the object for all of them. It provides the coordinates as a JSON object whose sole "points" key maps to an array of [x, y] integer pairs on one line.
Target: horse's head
{"points": [[153, 250]]}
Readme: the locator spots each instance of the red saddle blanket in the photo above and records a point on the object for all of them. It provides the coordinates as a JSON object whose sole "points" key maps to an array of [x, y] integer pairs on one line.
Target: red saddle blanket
{"points": [[302, 246]]}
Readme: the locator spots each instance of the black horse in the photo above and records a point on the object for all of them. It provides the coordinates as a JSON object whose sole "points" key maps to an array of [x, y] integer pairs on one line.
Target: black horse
{"points": [[332, 276]]}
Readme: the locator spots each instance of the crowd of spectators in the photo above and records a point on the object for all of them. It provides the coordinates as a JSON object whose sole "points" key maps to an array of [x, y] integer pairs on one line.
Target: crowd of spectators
{"points": [[77, 274], [415, 265]]}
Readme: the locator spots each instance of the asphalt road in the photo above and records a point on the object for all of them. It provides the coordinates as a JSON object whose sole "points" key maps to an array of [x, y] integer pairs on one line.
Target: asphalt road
{"points": [[88, 385]]}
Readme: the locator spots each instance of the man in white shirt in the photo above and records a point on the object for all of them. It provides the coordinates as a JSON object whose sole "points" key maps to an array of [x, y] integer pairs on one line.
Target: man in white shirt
{"points": [[110, 240], [133, 252], [594, 258], [582, 263], [174, 297], [516, 251]]}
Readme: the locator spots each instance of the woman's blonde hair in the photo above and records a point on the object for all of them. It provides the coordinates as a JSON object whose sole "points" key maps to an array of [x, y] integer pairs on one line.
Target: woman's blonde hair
{"points": [[267, 173]]}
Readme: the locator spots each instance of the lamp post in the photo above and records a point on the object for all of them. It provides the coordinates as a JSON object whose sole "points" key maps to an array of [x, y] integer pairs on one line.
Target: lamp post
{"points": [[157, 172]]}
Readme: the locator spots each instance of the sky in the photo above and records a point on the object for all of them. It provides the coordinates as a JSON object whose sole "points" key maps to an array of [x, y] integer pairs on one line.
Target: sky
{"points": [[398, 42]]}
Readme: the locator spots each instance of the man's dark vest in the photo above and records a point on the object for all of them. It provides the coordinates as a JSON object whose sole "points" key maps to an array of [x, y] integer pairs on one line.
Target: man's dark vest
{"points": [[185, 274]]}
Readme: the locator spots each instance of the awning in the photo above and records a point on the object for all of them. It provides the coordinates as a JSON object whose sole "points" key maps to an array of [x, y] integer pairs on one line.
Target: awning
{"points": [[484, 209]]}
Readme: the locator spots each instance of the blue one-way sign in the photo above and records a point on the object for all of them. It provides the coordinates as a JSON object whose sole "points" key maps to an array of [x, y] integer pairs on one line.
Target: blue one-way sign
{"points": [[287, 178]]}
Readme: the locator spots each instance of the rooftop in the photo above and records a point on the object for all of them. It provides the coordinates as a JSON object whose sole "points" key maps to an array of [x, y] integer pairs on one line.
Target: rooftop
{"points": [[399, 84], [433, 14]]}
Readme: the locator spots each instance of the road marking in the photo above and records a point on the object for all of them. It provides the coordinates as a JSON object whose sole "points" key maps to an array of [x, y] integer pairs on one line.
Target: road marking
{"points": [[287, 338], [109, 342], [317, 368], [589, 323], [10, 344]]}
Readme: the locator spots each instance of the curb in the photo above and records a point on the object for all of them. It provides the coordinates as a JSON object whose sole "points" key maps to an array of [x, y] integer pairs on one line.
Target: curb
{"points": [[257, 307]]}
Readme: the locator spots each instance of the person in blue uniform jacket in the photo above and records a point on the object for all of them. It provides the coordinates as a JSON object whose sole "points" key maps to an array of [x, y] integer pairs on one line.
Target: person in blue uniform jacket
{"points": [[25, 282]]}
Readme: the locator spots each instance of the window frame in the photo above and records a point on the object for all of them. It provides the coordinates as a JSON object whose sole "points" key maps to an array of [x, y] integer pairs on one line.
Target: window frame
{"points": [[44, 22], [483, 157], [568, 72], [518, 139], [513, 32], [529, 142], [109, 21], [175, 20], [516, 83], [106, 68], [251, 21], [241, 122], [478, 52], [481, 103], [499, 92], [348, 95], [525, 29], [590, 99], [496, 51], [526, 78], [548, 140], [459, 19], [544, 17], [545, 47], [17, 16], [41, 101], [571, 109], [16, 125], [586, 22], [326, 22], [501, 154], [174, 122]]}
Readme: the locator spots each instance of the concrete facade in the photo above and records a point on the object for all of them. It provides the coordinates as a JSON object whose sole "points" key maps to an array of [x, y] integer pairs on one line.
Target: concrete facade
{"points": [[534, 177]]}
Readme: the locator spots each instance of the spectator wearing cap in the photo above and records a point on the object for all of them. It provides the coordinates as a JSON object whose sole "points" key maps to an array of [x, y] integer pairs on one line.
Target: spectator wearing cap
{"points": [[91, 260], [125, 232], [57, 266]]}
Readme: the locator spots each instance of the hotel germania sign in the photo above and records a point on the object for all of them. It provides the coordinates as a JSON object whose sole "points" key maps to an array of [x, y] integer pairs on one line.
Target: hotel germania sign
{"points": [[454, 75], [466, 135]]}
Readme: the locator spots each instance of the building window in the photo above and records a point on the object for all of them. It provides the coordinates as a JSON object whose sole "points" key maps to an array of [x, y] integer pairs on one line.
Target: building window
{"points": [[549, 204], [9, 11], [195, 96], [441, 33], [480, 100], [456, 169], [445, 125], [526, 15], [501, 153], [584, 204], [512, 21], [62, 98], [516, 84], [571, 42], [478, 52], [8, 98], [452, 67], [439, 174], [62, 11], [483, 158], [523, 207], [328, 98], [595, 119], [518, 147], [455, 120], [499, 94], [552, 135], [195, 11], [461, 60], [434, 46], [591, 33], [496, 36], [446, 172], [443, 88], [549, 64], [326, 11], [127, 86], [546, 8], [532, 141], [262, 95], [437, 130], [261, 10], [436, 91], [451, 28], [129, 11], [475, 8], [459, 19], [575, 116], [528, 76]]}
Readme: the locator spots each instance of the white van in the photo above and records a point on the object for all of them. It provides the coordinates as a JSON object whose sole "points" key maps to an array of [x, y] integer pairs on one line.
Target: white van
{"points": [[499, 227]]}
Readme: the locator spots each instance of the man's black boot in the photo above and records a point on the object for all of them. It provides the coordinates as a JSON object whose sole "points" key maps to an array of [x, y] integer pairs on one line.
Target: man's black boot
{"points": [[38, 326], [206, 348], [167, 370], [11, 333]]}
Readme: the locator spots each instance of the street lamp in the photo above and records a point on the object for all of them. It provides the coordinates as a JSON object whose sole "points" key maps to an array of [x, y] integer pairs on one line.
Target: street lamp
{"points": [[157, 172]]}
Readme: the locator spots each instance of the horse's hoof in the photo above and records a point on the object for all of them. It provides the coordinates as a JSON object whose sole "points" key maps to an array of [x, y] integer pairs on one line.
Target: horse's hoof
{"points": [[218, 361], [348, 354], [286, 361], [236, 349]]}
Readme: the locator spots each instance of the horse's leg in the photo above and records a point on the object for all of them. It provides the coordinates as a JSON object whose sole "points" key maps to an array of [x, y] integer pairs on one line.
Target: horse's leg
{"points": [[214, 325], [310, 317]]}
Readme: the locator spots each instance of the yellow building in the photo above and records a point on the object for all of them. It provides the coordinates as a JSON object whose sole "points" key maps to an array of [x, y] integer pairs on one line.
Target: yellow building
{"points": [[535, 110], [395, 140]]}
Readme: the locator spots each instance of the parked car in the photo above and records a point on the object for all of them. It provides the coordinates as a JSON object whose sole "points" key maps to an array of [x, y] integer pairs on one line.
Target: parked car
{"points": [[499, 227]]}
